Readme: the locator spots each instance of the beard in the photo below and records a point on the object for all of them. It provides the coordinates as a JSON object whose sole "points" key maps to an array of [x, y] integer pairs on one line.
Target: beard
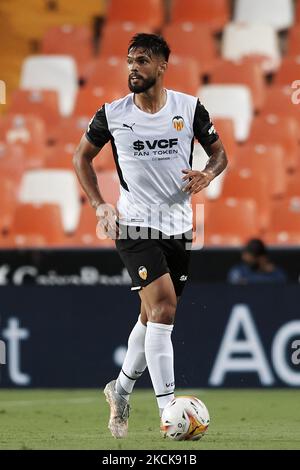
{"points": [[145, 84]]}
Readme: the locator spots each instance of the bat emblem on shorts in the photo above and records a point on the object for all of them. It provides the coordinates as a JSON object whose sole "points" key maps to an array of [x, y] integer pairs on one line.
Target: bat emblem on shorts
{"points": [[143, 273]]}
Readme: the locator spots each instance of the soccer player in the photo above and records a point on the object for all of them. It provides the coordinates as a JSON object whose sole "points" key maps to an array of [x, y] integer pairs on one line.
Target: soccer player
{"points": [[152, 132]]}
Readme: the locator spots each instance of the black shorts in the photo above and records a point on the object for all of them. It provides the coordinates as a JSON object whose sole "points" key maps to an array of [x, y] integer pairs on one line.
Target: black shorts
{"points": [[148, 254]]}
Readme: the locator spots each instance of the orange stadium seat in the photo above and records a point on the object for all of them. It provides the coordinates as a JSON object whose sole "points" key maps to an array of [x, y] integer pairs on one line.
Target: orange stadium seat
{"points": [[284, 227], [183, 75], [245, 184], [293, 185], [116, 36], [12, 161], [41, 103], [53, 186], [38, 225], [279, 100], [147, 11], [212, 12], [225, 129], [85, 234], [267, 159], [289, 71], [60, 156], [27, 131], [91, 98], [244, 73], [230, 222], [8, 195], [298, 11], [22, 129], [276, 129], [192, 40], [293, 46], [111, 73], [70, 130], [73, 40]]}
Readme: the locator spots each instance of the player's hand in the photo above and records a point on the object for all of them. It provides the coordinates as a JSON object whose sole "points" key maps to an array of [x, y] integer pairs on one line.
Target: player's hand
{"points": [[198, 180], [107, 222]]}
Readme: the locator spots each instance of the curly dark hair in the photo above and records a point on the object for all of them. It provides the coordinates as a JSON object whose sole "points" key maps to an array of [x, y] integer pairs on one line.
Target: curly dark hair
{"points": [[151, 43]]}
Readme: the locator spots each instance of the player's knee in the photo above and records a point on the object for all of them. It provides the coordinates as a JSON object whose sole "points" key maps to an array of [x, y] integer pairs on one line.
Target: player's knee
{"points": [[162, 312]]}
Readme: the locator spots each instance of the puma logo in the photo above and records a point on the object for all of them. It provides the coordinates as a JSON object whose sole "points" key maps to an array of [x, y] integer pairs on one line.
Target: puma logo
{"points": [[129, 127]]}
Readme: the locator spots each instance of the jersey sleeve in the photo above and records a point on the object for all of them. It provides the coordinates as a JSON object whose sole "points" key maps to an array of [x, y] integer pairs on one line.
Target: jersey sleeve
{"points": [[203, 127], [97, 132]]}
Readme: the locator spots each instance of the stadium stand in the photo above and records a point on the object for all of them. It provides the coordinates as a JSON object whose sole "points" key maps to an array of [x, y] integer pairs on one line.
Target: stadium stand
{"points": [[8, 194], [60, 156], [185, 39], [279, 100], [288, 71], [230, 222], [13, 161], [70, 130], [243, 73], [37, 225], [214, 13], [282, 130], [268, 160], [277, 13], [91, 97], [292, 185], [28, 132], [41, 103], [75, 41], [242, 40], [150, 11], [284, 228], [183, 75], [293, 46], [247, 184], [64, 59], [110, 73], [55, 187], [55, 72], [232, 102], [297, 6]]}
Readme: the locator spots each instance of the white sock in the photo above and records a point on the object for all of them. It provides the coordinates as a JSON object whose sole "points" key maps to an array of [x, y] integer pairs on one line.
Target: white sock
{"points": [[135, 360], [160, 361]]}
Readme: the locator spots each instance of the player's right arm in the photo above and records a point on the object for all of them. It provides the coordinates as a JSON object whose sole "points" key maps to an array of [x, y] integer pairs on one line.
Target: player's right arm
{"points": [[96, 136], [82, 161]]}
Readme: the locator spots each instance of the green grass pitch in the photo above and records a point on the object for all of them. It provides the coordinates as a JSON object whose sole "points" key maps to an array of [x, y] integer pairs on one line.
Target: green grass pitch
{"points": [[68, 419]]}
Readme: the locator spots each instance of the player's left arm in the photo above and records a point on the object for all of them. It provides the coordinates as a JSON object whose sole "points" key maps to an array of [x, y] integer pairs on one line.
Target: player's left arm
{"points": [[206, 134]]}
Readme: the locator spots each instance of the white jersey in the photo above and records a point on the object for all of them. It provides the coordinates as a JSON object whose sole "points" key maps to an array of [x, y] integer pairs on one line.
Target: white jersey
{"points": [[150, 152]]}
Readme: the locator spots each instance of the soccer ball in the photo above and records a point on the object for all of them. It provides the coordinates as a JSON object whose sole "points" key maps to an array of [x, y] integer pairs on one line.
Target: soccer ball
{"points": [[185, 418]]}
